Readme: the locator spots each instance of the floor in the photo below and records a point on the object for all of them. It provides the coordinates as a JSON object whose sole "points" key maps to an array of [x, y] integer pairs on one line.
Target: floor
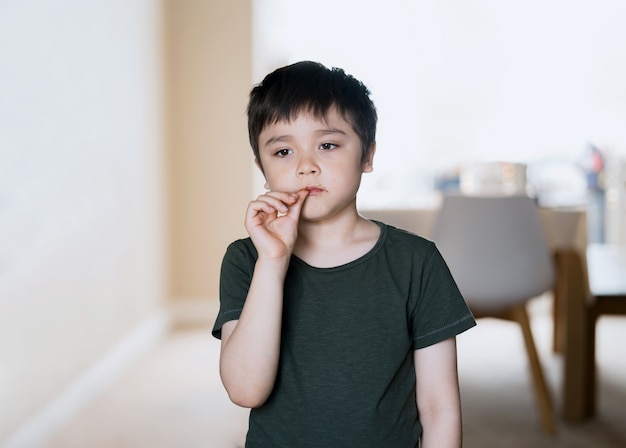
{"points": [[173, 396]]}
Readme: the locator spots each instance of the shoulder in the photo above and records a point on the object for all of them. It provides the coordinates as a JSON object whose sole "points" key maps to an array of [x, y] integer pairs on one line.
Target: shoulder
{"points": [[242, 248], [240, 253], [403, 241]]}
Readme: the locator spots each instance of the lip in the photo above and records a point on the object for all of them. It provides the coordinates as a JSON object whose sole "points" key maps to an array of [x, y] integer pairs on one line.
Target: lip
{"points": [[315, 190]]}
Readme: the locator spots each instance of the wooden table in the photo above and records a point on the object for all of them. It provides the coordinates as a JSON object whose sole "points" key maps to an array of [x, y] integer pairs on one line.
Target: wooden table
{"points": [[564, 228], [589, 284], [606, 268]]}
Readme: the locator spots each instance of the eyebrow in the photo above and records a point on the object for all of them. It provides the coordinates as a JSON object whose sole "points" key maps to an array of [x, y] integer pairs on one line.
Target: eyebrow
{"points": [[330, 131], [319, 132], [277, 139]]}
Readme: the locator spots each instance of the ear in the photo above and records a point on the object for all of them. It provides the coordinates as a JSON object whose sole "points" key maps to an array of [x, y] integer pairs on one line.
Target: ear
{"points": [[258, 165], [367, 165]]}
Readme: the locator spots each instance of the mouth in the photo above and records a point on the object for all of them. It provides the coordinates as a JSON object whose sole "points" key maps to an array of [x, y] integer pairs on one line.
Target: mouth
{"points": [[313, 191]]}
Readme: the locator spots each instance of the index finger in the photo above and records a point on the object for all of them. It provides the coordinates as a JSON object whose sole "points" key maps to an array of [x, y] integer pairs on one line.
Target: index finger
{"points": [[296, 208]]}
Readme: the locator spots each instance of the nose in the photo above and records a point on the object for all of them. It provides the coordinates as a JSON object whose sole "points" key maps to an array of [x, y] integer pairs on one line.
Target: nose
{"points": [[306, 165]]}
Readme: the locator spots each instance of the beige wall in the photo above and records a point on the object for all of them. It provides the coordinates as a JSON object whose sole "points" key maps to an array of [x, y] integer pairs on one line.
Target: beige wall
{"points": [[209, 69]]}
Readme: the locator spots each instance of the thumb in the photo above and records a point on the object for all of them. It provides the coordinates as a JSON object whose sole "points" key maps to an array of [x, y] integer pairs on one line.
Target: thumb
{"points": [[296, 208]]}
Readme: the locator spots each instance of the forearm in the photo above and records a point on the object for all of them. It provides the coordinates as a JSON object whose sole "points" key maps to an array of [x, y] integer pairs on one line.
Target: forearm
{"points": [[441, 429], [250, 355], [438, 396]]}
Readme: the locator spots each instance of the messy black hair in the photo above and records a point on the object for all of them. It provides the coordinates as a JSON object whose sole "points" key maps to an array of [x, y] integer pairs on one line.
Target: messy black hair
{"points": [[312, 88]]}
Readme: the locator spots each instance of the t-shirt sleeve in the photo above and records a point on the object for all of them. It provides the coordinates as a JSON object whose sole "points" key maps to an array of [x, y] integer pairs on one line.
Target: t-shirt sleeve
{"points": [[235, 277], [440, 311]]}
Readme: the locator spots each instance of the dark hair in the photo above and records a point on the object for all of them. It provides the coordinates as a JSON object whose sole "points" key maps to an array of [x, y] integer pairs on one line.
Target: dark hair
{"points": [[311, 87]]}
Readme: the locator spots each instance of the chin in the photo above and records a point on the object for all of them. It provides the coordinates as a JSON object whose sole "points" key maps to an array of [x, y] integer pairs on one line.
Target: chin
{"points": [[312, 215]]}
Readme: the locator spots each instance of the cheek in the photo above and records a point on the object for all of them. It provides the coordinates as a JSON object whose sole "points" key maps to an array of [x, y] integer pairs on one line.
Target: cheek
{"points": [[274, 179], [347, 178]]}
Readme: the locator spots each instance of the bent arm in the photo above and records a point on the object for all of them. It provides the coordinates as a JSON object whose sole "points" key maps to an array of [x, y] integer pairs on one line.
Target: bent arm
{"points": [[251, 346], [437, 394]]}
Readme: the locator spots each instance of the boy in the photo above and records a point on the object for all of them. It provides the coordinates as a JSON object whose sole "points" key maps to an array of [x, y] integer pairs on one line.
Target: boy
{"points": [[337, 331]]}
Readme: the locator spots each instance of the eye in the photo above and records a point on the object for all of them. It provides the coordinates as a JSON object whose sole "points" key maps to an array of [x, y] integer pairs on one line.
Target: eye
{"points": [[327, 146], [283, 152]]}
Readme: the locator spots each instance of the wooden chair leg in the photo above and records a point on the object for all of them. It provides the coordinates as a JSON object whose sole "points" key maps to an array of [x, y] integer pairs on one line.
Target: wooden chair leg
{"points": [[542, 394]]}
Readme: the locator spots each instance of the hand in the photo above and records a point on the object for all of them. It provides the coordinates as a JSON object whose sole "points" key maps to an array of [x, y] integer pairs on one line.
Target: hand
{"points": [[272, 222]]}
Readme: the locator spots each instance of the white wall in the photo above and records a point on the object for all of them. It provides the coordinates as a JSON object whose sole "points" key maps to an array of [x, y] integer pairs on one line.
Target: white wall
{"points": [[464, 81], [82, 246]]}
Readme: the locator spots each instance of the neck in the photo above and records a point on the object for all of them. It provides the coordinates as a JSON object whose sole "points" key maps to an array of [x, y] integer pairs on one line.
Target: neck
{"points": [[335, 242], [330, 233]]}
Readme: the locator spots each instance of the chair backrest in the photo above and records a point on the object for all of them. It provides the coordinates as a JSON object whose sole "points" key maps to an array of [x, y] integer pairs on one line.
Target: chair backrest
{"points": [[495, 249]]}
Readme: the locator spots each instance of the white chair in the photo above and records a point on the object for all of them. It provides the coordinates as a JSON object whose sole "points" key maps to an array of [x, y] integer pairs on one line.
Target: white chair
{"points": [[498, 256]]}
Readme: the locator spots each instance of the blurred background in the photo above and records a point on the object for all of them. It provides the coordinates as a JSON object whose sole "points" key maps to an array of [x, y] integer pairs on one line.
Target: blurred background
{"points": [[125, 167]]}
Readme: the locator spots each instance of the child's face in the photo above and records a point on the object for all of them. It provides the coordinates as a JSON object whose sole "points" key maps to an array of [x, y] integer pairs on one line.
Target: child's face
{"points": [[322, 156]]}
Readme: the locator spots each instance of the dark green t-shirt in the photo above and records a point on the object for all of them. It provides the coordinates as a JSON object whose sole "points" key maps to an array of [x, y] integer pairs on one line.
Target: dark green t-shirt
{"points": [[346, 376]]}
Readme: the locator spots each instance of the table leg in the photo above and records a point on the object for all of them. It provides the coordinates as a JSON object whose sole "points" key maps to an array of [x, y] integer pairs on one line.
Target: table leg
{"points": [[579, 360]]}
